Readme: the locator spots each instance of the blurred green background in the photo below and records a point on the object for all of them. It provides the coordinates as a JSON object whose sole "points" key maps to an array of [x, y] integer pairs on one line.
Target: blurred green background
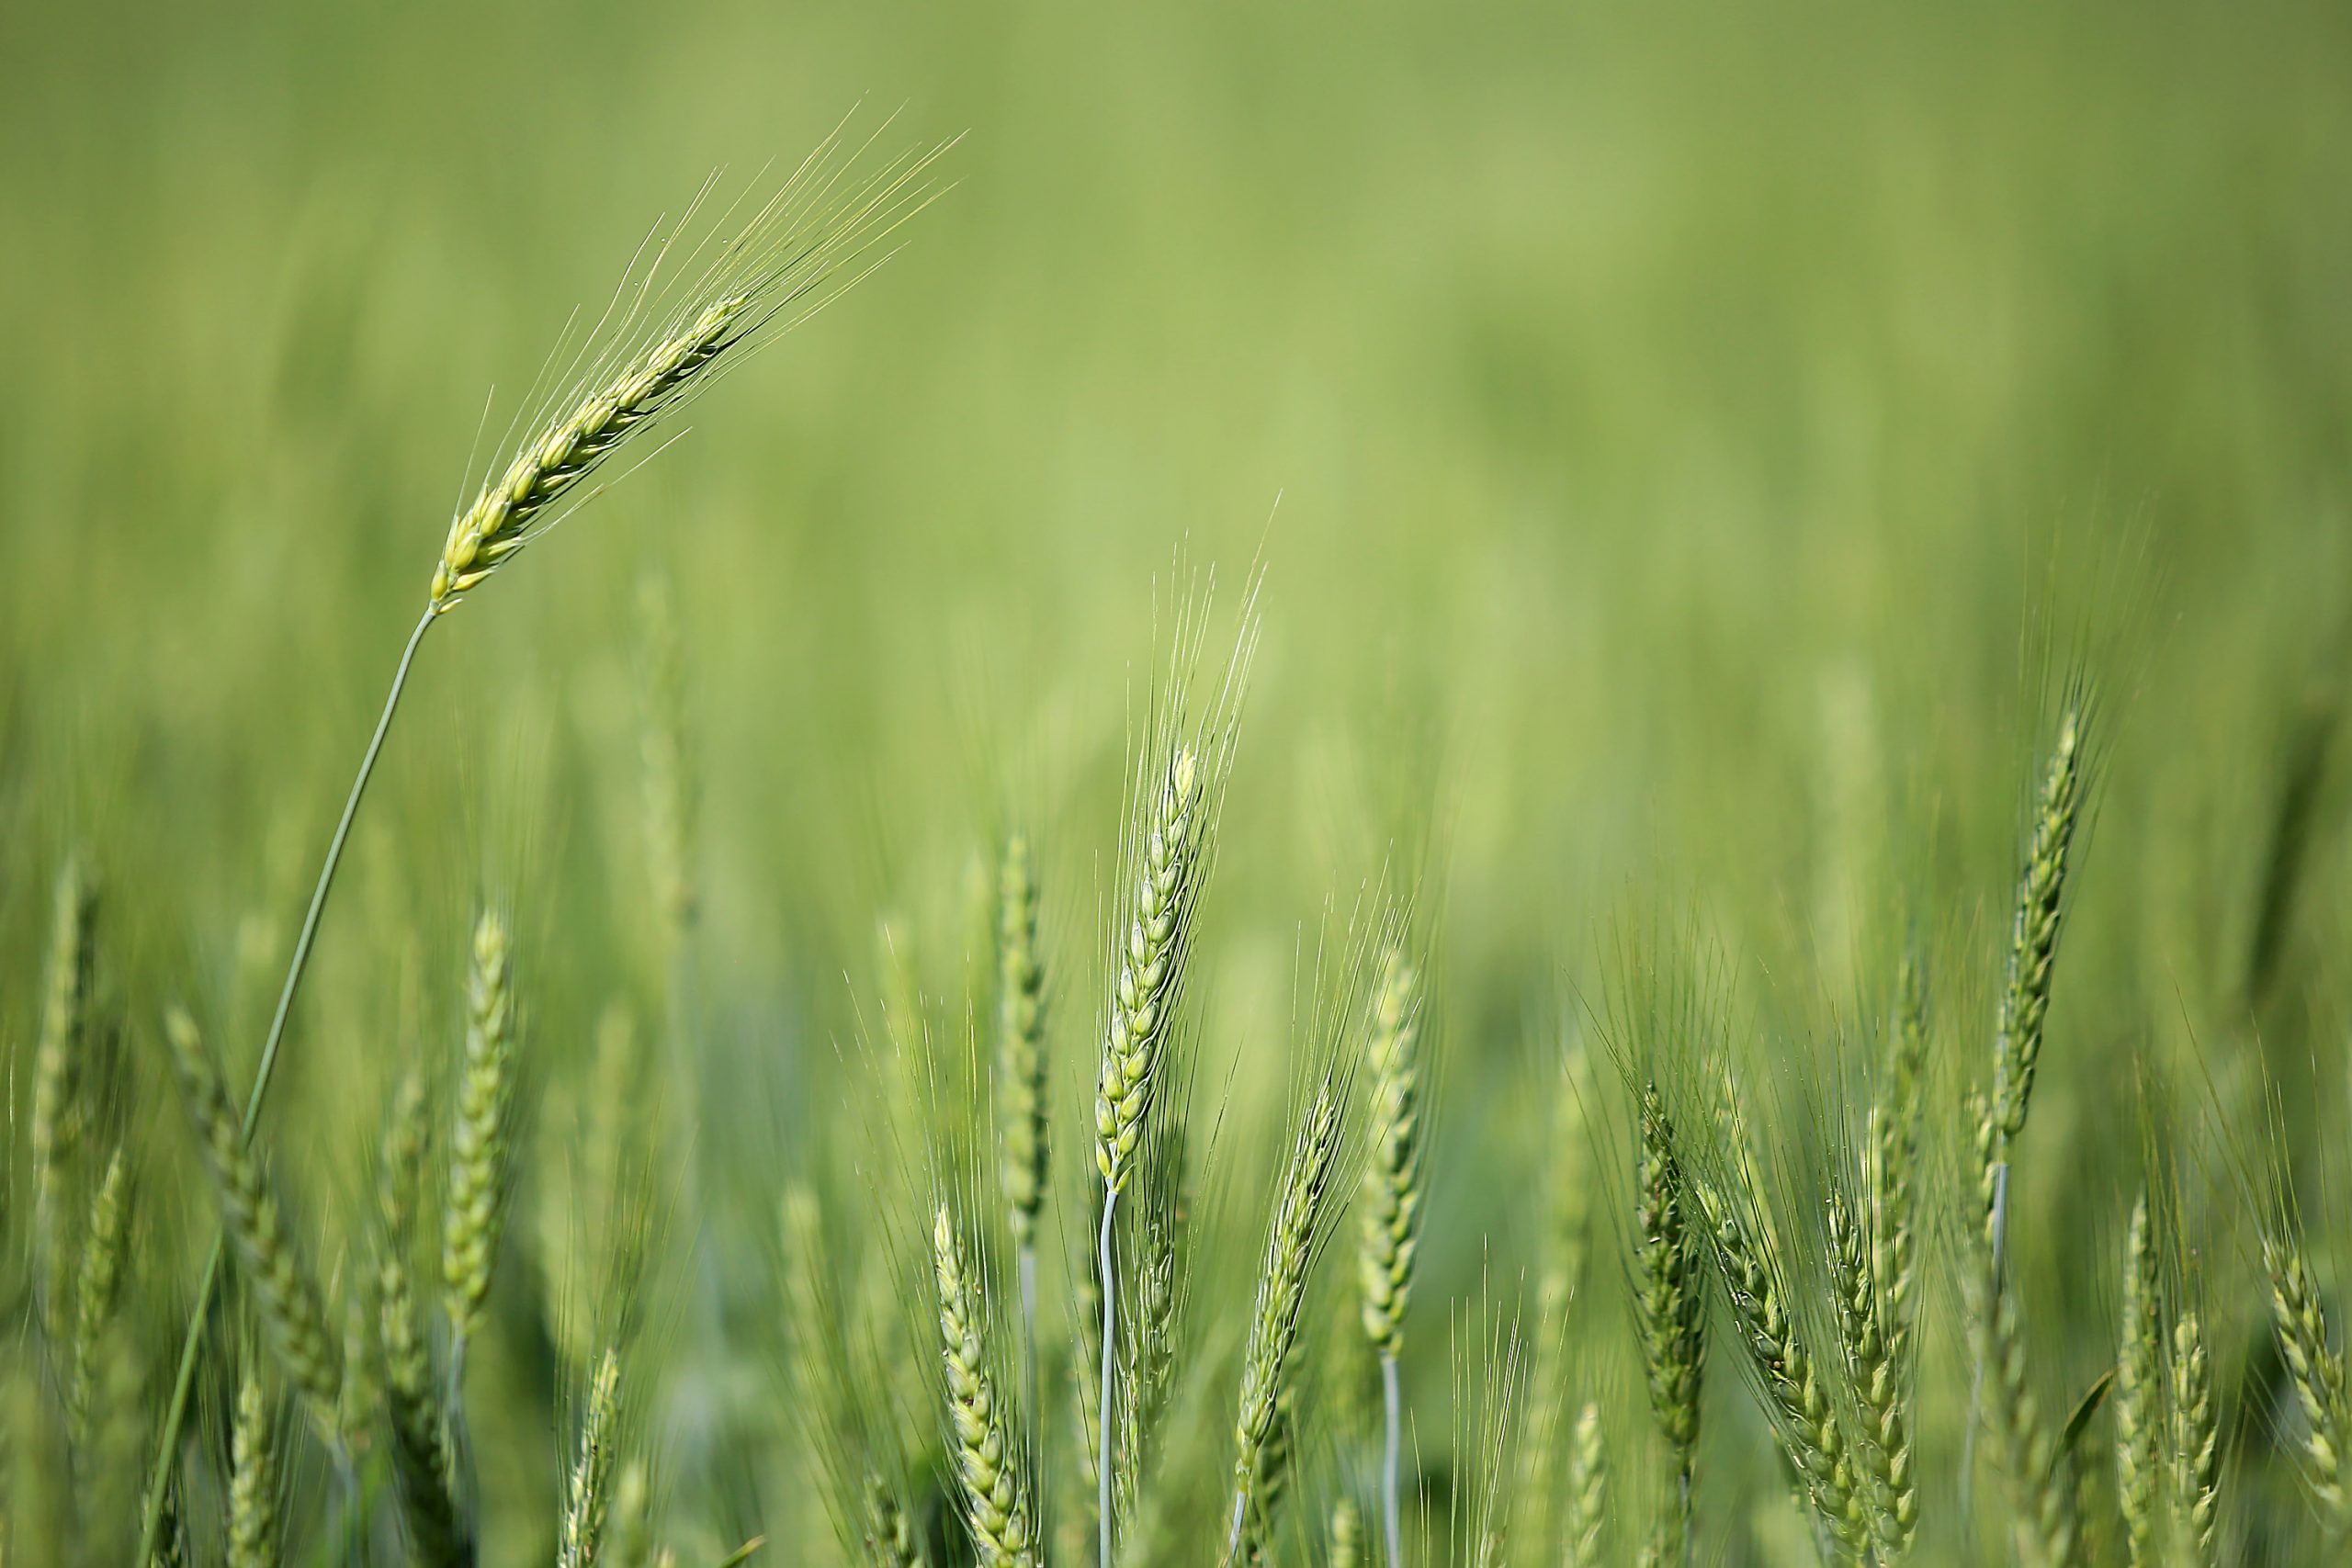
{"points": [[1684, 444]]}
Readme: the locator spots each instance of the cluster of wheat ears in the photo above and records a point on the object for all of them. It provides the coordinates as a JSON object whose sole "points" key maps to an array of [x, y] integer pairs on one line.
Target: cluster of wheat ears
{"points": [[1260, 1428]]}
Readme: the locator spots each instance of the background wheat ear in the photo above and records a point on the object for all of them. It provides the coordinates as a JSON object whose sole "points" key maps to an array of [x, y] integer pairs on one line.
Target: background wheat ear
{"points": [[482, 1137], [424, 1461], [285, 1292], [58, 1114], [990, 1458]]}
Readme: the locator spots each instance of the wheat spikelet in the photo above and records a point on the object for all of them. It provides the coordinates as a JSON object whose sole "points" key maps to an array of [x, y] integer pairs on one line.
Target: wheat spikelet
{"points": [[1877, 1382], [57, 1115], [253, 1480], [588, 1490], [2196, 1440], [1150, 968], [1585, 1514], [2316, 1370], [1021, 1043], [2034, 944], [481, 1140], [1670, 1310], [1896, 1114], [2045, 1524], [1343, 1541], [96, 1295], [889, 1535], [1392, 1187], [774, 272], [1293, 1240], [2139, 1394], [1795, 1396], [990, 1466], [283, 1288], [424, 1468]]}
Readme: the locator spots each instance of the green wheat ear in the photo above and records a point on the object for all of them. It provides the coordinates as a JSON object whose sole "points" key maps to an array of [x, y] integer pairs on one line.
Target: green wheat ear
{"points": [[2139, 1394], [58, 1114], [1670, 1310], [1393, 1188], [990, 1466], [481, 1143], [253, 1480], [1021, 1043], [1150, 968], [284, 1290]]}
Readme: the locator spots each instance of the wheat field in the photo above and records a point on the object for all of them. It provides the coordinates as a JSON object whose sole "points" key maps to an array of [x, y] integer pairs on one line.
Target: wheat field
{"points": [[1502, 785]]}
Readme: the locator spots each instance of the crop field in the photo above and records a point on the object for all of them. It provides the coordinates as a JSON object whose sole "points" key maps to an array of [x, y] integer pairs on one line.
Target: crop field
{"points": [[1520, 785]]}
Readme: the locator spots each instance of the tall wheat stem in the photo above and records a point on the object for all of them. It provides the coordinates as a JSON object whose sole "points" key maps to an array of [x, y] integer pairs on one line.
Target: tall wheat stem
{"points": [[1392, 1525], [176, 1414], [1102, 1453]]}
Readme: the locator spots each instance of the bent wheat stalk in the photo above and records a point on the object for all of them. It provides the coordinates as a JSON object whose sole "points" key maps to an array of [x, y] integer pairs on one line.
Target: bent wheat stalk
{"points": [[671, 341]]}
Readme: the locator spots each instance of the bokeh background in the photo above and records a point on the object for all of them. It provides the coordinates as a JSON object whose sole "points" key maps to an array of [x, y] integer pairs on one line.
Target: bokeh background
{"points": [[1686, 447]]}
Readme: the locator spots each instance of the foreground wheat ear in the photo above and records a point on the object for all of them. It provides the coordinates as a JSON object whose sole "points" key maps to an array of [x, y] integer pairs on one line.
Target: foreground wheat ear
{"points": [[710, 296]]}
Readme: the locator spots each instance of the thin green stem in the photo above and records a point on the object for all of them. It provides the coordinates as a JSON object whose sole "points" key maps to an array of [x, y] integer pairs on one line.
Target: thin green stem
{"points": [[176, 1414], [1392, 1524], [1103, 1390]]}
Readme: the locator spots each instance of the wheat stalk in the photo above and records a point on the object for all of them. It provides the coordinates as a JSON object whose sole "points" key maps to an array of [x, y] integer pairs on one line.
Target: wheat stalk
{"points": [[588, 1489], [481, 1140], [990, 1467], [1293, 1237], [1588, 1490], [1877, 1382], [794, 254], [2315, 1368], [1795, 1396], [1393, 1192], [1669, 1311], [2196, 1440], [2139, 1394], [58, 1116], [423, 1467], [283, 1291], [253, 1480]]}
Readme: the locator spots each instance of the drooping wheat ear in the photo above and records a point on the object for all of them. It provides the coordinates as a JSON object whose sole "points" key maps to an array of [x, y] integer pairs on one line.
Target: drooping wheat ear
{"points": [[1393, 1188], [1343, 1542], [1585, 1514], [1296, 1236], [2041, 1488], [1021, 1047], [253, 1478], [2196, 1440], [775, 270], [2140, 1396], [480, 1144], [588, 1491], [1896, 1114], [2317, 1369], [1878, 1386], [991, 1467], [424, 1468], [95, 1296], [284, 1291], [58, 1114], [1149, 967], [1796, 1398], [1669, 1311], [2034, 944]]}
